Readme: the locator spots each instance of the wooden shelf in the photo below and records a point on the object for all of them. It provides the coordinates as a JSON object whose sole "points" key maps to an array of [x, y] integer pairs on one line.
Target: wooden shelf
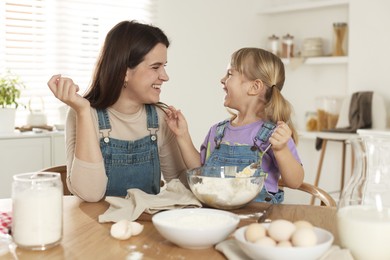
{"points": [[300, 6], [317, 60]]}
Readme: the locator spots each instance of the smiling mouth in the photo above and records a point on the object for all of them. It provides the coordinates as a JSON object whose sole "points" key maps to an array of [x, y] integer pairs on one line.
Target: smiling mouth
{"points": [[156, 86]]}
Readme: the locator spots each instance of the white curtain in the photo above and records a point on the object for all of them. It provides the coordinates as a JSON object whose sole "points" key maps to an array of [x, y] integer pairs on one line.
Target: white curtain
{"points": [[39, 38]]}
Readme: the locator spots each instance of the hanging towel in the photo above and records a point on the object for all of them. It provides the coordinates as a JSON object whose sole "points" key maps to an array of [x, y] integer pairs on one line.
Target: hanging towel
{"points": [[360, 115]]}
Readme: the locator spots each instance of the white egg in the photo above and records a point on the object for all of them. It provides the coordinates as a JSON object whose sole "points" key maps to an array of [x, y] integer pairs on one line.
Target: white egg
{"points": [[266, 241], [136, 228], [121, 229], [281, 230], [254, 232], [124, 229], [303, 223], [304, 237]]}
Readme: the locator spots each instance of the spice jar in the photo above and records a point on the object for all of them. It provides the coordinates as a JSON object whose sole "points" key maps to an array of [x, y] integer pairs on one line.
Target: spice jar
{"points": [[287, 46], [37, 210], [339, 41], [274, 44]]}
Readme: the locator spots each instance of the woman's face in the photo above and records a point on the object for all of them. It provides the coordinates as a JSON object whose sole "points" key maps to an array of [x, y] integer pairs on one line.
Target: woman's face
{"points": [[144, 81], [236, 86]]}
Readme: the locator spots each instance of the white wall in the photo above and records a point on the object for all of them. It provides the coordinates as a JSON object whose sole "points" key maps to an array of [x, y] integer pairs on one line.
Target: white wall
{"points": [[204, 34]]}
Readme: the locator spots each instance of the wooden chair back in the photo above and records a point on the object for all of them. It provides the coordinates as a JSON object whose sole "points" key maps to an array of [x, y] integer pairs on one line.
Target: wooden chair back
{"points": [[62, 170], [317, 192]]}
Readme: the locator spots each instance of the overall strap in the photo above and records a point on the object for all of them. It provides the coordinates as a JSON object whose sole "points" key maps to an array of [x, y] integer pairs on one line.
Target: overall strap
{"points": [[152, 121], [104, 124], [263, 134], [220, 132]]}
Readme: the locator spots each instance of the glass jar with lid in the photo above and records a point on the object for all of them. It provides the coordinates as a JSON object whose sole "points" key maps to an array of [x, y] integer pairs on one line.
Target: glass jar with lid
{"points": [[287, 46], [273, 42]]}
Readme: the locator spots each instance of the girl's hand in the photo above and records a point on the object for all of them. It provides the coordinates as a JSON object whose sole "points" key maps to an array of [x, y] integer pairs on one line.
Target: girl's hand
{"points": [[280, 136], [176, 121], [65, 90]]}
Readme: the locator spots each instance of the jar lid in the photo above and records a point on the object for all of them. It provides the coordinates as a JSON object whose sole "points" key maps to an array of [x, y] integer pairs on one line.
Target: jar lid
{"points": [[273, 37], [288, 37]]}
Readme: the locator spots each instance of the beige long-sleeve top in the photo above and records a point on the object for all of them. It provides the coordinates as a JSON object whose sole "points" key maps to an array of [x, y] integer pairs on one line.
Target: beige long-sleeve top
{"points": [[88, 180]]}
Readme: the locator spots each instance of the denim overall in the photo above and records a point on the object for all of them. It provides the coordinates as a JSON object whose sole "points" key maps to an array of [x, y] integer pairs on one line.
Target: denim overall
{"points": [[243, 155], [131, 164]]}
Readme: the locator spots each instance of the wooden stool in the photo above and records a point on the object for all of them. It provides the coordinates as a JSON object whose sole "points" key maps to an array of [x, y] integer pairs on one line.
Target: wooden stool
{"points": [[344, 139]]}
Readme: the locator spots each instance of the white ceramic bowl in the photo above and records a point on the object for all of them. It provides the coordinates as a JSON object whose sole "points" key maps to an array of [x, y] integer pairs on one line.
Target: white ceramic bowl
{"points": [[219, 187], [324, 238], [195, 228]]}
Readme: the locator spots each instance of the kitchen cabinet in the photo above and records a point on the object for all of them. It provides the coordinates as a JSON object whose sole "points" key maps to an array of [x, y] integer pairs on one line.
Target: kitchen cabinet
{"points": [[27, 152]]}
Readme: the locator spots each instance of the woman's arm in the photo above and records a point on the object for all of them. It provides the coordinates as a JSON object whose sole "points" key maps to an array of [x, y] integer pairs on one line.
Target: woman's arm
{"points": [[82, 140]]}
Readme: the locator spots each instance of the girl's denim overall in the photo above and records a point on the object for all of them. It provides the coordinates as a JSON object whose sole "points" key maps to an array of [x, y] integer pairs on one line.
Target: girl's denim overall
{"points": [[131, 164], [243, 155]]}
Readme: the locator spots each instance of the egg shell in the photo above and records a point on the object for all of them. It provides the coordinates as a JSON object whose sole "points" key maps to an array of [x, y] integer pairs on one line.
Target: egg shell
{"points": [[281, 230], [266, 241], [121, 229], [304, 237], [303, 223], [254, 232], [284, 244], [136, 228]]}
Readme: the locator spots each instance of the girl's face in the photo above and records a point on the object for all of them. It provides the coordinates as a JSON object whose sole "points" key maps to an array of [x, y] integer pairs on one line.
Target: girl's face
{"points": [[144, 81], [236, 87]]}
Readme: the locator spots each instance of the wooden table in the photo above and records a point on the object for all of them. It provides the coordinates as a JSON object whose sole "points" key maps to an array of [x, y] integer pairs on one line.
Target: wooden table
{"points": [[85, 238]]}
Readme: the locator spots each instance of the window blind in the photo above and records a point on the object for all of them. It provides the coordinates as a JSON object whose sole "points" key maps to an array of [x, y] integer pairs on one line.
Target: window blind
{"points": [[40, 38]]}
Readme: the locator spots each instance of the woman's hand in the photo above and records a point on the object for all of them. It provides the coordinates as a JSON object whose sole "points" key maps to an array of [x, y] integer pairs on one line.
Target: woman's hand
{"points": [[280, 136], [66, 90]]}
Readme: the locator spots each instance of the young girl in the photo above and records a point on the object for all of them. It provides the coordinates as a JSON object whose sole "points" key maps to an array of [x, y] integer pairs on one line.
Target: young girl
{"points": [[262, 117], [115, 138]]}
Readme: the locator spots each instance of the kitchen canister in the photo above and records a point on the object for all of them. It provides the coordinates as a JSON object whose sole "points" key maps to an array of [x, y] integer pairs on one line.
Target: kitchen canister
{"points": [[37, 210]]}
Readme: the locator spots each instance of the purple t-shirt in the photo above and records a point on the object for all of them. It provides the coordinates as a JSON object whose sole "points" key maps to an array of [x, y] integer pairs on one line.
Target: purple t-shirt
{"points": [[244, 135]]}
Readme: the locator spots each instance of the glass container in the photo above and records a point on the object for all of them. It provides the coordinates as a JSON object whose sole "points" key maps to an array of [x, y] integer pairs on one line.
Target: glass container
{"points": [[339, 39], [273, 41], [287, 46], [37, 210], [363, 214]]}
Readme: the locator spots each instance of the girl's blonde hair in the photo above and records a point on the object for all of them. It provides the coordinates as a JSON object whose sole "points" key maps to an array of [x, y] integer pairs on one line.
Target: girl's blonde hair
{"points": [[255, 63]]}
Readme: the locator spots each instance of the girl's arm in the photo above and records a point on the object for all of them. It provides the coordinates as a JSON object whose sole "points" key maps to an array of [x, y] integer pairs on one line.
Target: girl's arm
{"points": [[290, 169], [178, 124]]}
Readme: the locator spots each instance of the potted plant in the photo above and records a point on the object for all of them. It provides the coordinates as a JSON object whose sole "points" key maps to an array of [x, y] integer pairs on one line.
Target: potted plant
{"points": [[10, 89]]}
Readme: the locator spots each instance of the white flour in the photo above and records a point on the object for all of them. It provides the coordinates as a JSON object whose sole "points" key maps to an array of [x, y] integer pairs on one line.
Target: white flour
{"points": [[227, 191]]}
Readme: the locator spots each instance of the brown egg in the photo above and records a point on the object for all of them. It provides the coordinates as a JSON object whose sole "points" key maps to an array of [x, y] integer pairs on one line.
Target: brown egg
{"points": [[281, 230], [266, 241], [304, 237], [302, 223], [254, 232]]}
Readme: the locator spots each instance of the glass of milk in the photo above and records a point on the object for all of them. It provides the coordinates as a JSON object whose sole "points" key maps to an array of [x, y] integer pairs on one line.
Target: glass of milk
{"points": [[363, 214], [37, 210]]}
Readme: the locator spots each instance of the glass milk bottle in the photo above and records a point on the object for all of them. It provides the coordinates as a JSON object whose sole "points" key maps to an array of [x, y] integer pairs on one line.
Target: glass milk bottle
{"points": [[37, 210], [363, 214]]}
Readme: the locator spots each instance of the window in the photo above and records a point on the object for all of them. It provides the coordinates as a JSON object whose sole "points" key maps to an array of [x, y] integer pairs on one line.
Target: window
{"points": [[40, 38]]}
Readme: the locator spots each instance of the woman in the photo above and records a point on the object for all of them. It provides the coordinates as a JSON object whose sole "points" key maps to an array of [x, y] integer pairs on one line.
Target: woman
{"points": [[116, 136]]}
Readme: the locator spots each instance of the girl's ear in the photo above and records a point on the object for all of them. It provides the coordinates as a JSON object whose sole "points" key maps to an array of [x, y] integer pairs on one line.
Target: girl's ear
{"points": [[257, 87]]}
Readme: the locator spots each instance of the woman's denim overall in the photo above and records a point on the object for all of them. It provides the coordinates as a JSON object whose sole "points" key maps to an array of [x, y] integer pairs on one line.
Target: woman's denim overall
{"points": [[131, 164], [243, 155]]}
